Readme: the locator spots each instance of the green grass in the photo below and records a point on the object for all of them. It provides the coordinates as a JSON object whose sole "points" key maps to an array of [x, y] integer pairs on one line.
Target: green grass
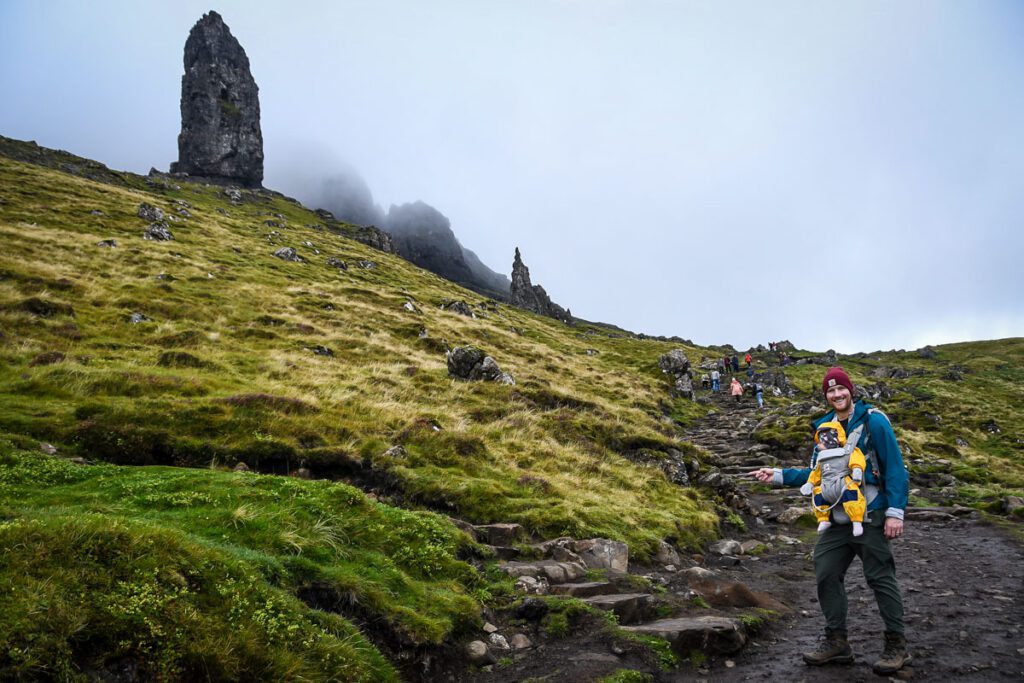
{"points": [[151, 564], [161, 557]]}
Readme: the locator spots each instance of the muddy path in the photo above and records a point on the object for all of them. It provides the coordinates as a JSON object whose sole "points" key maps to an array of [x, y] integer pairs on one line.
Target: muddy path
{"points": [[962, 579]]}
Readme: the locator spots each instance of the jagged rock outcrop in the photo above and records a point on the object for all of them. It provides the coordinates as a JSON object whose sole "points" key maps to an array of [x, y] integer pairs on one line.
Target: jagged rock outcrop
{"points": [[220, 136], [532, 297]]}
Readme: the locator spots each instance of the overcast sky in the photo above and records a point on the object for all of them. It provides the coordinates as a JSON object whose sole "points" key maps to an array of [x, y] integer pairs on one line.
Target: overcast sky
{"points": [[843, 175]]}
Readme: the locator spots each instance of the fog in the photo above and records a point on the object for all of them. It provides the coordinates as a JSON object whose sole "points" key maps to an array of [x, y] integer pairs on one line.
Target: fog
{"points": [[845, 176]]}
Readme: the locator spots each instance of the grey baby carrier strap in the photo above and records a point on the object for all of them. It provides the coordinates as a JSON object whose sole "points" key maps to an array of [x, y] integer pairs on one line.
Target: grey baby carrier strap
{"points": [[835, 467]]}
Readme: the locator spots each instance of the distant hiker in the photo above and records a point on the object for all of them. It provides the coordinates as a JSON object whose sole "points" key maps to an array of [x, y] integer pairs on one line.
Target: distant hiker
{"points": [[885, 490], [736, 389], [759, 394], [747, 359], [715, 378], [705, 381], [750, 373], [771, 346], [735, 363], [728, 363]]}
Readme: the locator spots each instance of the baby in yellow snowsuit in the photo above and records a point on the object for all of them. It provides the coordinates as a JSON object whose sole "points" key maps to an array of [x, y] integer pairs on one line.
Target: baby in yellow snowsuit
{"points": [[836, 475]]}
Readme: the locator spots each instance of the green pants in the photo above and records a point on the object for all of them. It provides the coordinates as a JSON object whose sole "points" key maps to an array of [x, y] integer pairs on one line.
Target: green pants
{"points": [[834, 552]]}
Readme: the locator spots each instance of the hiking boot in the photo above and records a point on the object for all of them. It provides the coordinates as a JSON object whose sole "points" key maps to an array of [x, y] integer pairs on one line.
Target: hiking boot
{"points": [[894, 656], [833, 649]]}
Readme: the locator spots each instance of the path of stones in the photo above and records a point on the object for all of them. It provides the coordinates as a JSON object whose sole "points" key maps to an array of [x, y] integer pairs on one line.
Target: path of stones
{"points": [[962, 580]]}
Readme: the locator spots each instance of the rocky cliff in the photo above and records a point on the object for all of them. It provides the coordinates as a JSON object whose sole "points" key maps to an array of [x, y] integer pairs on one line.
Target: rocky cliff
{"points": [[532, 297], [423, 235], [220, 110]]}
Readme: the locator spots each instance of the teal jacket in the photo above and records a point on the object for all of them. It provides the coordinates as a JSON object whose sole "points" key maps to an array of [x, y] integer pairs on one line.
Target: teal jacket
{"points": [[893, 481]]}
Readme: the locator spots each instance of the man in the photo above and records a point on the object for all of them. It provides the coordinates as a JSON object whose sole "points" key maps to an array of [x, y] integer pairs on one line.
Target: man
{"points": [[716, 376], [885, 488]]}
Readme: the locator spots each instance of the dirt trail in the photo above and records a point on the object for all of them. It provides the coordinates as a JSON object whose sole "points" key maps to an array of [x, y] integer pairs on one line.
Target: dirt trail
{"points": [[962, 581]]}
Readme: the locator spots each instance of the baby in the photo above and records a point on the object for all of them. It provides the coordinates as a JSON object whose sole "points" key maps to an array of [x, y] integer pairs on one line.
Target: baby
{"points": [[837, 470]]}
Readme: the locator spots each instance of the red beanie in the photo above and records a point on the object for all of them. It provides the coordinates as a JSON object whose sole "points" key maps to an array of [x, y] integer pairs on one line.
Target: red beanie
{"points": [[836, 377]]}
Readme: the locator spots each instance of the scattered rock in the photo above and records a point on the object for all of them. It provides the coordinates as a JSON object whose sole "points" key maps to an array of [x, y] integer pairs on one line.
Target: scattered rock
{"points": [[470, 363], [1011, 504], [321, 350], [107, 244], [726, 546], [666, 554], [288, 254], [460, 307], [337, 263], [792, 514], [153, 214], [157, 232], [991, 427], [602, 553], [366, 265], [48, 448], [136, 318], [520, 642], [499, 641], [489, 627], [478, 653], [241, 467], [926, 352], [533, 585], [411, 307], [752, 547]]}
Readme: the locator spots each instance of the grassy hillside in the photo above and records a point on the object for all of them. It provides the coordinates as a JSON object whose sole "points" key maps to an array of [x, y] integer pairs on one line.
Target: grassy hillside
{"points": [[155, 368]]}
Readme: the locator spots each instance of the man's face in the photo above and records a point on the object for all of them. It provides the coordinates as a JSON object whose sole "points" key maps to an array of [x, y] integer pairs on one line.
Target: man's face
{"points": [[839, 398]]}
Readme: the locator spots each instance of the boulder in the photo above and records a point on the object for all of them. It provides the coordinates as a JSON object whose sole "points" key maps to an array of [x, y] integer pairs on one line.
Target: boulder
{"points": [[157, 232], [148, 212], [288, 254], [792, 514], [479, 654], [666, 554], [676, 365], [470, 363], [107, 244]]}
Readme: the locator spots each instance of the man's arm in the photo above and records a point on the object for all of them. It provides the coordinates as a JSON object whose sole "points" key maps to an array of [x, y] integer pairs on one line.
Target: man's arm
{"points": [[897, 481]]}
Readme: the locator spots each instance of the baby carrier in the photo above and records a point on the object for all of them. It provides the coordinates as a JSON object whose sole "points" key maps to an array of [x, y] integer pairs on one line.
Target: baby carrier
{"points": [[837, 471]]}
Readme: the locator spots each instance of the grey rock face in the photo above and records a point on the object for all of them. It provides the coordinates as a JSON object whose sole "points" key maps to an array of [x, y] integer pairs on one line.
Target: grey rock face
{"points": [[220, 110], [532, 297]]}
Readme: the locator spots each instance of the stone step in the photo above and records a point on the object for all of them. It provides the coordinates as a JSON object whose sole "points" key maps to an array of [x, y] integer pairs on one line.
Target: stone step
{"points": [[555, 572], [584, 590], [630, 608], [706, 633]]}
